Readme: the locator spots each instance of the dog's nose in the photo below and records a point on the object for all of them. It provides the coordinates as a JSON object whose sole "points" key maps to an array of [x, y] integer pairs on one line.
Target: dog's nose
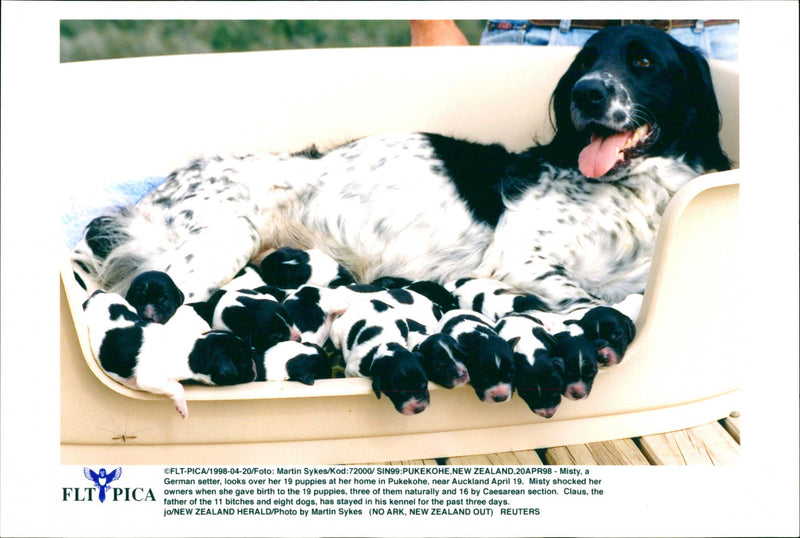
{"points": [[590, 95]]}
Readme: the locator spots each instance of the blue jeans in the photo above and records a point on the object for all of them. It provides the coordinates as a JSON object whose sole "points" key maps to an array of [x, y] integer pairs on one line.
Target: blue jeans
{"points": [[720, 42]]}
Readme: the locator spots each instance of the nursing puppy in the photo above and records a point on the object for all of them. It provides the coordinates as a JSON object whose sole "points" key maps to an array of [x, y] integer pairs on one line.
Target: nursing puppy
{"points": [[289, 268], [373, 338], [540, 368], [155, 358], [256, 318], [489, 359], [434, 291], [443, 360], [293, 361], [154, 296]]}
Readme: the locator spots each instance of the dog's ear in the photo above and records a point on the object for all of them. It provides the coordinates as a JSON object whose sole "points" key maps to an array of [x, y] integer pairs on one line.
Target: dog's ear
{"points": [[376, 386], [702, 124]]}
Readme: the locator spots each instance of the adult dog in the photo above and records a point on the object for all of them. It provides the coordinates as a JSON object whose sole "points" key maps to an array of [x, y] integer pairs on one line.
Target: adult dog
{"points": [[573, 221]]}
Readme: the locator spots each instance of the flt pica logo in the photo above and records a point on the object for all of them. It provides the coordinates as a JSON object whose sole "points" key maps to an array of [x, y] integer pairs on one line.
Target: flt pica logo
{"points": [[102, 490]]}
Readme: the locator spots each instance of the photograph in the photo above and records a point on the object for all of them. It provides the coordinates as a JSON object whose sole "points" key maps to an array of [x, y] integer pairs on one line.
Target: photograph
{"points": [[371, 271]]}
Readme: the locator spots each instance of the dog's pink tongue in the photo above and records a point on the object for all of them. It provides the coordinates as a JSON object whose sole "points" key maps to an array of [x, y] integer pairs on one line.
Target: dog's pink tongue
{"points": [[602, 154]]}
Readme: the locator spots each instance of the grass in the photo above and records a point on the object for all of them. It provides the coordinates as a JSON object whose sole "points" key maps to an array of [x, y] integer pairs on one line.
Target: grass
{"points": [[103, 39]]}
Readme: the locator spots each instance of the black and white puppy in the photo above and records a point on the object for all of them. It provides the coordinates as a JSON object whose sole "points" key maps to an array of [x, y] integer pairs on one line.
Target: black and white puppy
{"points": [[294, 361], [256, 318], [289, 268], [493, 299], [489, 359], [608, 329], [155, 358], [313, 309], [443, 360], [373, 338], [434, 291], [540, 369], [580, 364], [154, 296]]}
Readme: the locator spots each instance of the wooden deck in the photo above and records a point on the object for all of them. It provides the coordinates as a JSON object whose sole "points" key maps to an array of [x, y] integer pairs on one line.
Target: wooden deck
{"points": [[716, 443]]}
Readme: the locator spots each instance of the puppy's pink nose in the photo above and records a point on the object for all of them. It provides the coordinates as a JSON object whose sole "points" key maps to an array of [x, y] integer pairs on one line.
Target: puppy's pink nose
{"points": [[499, 393], [607, 357], [295, 335], [576, 391], [546, 413]]}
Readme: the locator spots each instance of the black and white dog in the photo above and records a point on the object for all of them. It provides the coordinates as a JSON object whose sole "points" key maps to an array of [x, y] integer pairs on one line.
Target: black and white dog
{"points": [[154, 296], [155, 358], [573, 221], [373, 338]]}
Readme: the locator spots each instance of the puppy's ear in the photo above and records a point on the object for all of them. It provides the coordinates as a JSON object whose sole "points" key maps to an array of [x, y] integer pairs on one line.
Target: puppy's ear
{"points": [[307, 378], [376, 386]]}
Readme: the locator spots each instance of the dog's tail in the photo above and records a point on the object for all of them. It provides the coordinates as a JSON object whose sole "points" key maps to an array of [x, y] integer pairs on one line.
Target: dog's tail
{"points": [[115, 248]]}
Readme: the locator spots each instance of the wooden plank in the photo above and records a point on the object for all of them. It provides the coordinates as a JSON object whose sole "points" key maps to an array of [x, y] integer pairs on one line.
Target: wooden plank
{"points": [[731, 425], [477, 459], [617, 452], [528, 457], [503, 458], [708, 444]]}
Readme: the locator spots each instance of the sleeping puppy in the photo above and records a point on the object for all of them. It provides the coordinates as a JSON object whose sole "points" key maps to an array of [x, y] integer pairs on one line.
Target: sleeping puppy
{"points": [[489, 359], [249, 278], [256, 318], [294, 361], [154, 296], [434, 291], [373, 338], [443, 360], [155, 358], [580, 364], [540, 369], [289, 268], [609, 330], [313, 309], [493, 298]]}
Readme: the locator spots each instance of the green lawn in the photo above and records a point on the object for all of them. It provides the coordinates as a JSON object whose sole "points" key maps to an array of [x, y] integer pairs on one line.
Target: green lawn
{"points": [[101, 39]]}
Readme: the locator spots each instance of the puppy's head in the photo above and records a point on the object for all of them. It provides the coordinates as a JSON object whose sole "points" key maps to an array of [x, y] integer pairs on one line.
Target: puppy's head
{"points": [[580, 364], [154, 296], [260, 320], [286, 268], [399, 375], [540, 384], [313, 364], [610, 331], [490, 363], [224, 357], [442, 359]]}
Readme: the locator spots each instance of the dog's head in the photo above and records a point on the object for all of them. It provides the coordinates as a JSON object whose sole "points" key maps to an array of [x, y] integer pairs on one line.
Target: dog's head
{"points": [[580, 364], [399, 375], [610, 331], [260, 320], [443, 360], [633, 92], [490, 363], [224, 357], [155, 296], [540, 384], [313, 363]]}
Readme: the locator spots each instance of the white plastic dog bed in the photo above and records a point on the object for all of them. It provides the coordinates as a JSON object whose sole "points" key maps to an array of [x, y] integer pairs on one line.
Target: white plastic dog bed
{"points": [[129, 121]]}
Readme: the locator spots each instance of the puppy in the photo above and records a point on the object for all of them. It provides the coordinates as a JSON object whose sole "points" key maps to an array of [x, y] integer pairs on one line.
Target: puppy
{"points": [[540, 369], [609, 330], [155, 358], [434, 291], [294, 361], [373, 338], [580, 364], [256, 318], [493, 298], [249, 278], [313, 309], [443, 360], [289, 268], [154, 296], [489, 359]]}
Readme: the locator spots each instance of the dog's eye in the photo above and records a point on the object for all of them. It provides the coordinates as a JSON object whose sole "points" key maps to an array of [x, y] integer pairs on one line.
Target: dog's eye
{"points": [[642, 62]]}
